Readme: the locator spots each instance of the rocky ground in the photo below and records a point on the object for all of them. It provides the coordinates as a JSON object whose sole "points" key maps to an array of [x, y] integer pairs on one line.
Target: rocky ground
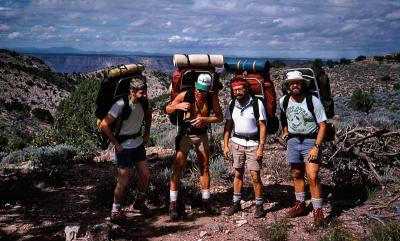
{"points": [[81, 196]]}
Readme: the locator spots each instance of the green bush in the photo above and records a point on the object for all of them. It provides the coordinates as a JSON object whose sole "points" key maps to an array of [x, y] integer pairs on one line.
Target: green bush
{"points": [[330, 63], [3, 142], [385, 78], [361, 58], [344, 61], [277, 231], [43, 115], [75, 121], [362, 100], [388, 232], [396, 86], [278, 63], [337, 233]]}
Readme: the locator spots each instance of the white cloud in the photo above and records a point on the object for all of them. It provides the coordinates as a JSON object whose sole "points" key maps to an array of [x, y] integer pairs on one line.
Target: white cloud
{"points": [[393, 15], [84, 30], [350, 27], [42, 29], [14, 35], [4, 9], [138, 23], [4, 27], [179, 39], [188, 29]]}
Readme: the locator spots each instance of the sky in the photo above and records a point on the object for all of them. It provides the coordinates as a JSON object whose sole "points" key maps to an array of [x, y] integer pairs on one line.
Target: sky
{"points": [[269, 28]]}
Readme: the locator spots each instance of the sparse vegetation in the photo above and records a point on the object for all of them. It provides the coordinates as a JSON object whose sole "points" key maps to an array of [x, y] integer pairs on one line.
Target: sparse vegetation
{"points": [[360, 58], [43, 115], [276, 231], [278, 63], [362, 100]]}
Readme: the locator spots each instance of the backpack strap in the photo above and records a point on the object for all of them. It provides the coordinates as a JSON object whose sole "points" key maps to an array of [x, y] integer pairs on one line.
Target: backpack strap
{"points": [[286, 102], [256, 109], [310, 107], [126, 111]]}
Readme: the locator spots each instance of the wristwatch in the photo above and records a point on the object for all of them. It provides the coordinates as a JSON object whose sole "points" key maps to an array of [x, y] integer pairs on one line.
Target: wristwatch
{"points": [[317, 145]]}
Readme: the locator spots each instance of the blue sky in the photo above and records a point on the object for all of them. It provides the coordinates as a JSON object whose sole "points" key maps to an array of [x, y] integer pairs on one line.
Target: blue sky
{"points": [[270, 28]]}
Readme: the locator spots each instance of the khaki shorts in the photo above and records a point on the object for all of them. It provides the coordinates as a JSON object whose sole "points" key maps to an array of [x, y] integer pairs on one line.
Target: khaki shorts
{"points": [[199, 142], [245, 154]]}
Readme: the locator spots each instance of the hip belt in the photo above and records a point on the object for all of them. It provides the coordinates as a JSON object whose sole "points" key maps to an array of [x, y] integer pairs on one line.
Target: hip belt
{"points": [[301, 137], [254, 137], [123, 138]]}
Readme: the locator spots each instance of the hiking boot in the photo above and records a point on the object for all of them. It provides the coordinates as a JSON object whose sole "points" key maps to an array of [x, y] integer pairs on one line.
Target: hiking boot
{"points": [[298, 209], [259, 213], [173, 211], [141, 206], [210, 208], [318, 216], [117, 216], [235, 207]]}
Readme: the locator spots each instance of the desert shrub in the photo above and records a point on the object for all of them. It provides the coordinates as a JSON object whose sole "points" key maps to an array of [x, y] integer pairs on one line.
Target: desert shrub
{"points": [[388, 232], [385, 78], [344, 61], [15, 105], [278, 63], [379, 58], [330, 63], [75, 121], [396, 86], [46, 155], [361, 58], [162, 77], [43, 115], [160, 102], [3, 142], [276, 231], [337, 233], [361, 100]]}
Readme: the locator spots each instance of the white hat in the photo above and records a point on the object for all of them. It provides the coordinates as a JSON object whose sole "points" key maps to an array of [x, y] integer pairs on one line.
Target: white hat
{"points": [[203, 82], [295, 75]]}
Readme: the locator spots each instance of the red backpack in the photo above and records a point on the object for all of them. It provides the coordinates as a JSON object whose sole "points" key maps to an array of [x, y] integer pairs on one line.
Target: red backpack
{"points": [[184, 79], [261, 87]]}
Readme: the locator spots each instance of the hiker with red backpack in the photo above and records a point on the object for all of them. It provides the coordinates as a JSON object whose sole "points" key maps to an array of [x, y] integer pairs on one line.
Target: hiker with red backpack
{"points": [[129, 143], [247, 143], [304, 130], [193, 133]]}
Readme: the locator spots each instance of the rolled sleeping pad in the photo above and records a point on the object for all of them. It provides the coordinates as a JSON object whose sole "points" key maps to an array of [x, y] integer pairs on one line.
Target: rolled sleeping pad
{"points": [[248, 65], [124, 70], [198, 60]]}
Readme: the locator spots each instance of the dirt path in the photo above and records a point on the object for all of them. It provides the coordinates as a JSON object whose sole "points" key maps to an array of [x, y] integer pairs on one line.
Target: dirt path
{"points": [[84, 199]]}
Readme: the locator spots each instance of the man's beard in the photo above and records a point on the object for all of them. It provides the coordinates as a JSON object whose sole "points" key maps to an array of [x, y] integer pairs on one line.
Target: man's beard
{"points": [[239, 97]]}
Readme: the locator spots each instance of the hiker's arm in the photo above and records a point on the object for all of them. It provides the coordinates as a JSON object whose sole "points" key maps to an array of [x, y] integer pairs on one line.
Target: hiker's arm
{"points": [[147, 124], [263, 135], [318, 141], [227, 134], [105, 128], [178, 104]]}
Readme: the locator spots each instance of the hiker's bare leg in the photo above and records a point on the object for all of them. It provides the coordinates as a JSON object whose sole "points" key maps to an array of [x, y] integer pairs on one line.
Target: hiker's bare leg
{"points": [[177, 170], [203, 157], [238, 181], [143, 170], [312, 178], [257, 184], [122, 182], [297, 171]]}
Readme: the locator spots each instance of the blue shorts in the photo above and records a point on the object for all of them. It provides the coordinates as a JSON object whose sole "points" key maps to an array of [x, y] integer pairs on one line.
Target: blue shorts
{"points": [[297, 151], [130, 156]]}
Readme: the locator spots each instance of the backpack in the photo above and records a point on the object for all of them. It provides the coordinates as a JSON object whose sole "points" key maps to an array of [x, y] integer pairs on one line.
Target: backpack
{"points": [[330, 128], [184, 77], [256, 74], [114, 86], [319, 86]]}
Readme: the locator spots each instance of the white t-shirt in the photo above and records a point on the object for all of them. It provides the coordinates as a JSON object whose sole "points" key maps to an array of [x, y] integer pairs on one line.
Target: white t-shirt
{"points": [[131, 125], [299, 119], [245, 123]]}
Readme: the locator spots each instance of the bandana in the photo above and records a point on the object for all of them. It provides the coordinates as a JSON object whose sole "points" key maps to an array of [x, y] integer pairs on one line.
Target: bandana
{"points": [[238, 83]]}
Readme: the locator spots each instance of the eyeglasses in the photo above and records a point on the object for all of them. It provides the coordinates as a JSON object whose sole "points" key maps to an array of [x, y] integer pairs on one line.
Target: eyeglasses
{"points": [[238, 89]]}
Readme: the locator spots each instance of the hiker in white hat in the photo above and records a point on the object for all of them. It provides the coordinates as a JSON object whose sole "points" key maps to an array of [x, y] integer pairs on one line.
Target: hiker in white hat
{"points": [[303, 124], [193, 133]]}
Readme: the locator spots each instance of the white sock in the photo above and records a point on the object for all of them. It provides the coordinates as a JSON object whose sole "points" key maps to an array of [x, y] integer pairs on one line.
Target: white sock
{"points": [[116, 207], [316, 202], [173, 196], [300, 196], [205, 194]]}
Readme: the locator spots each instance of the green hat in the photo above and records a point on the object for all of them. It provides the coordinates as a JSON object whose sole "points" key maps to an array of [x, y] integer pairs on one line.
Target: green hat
{"points": [[203, 82]]}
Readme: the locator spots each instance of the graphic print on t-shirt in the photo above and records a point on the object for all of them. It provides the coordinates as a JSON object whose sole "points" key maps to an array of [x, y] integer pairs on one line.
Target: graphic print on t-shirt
{"points": [[297, 119]]}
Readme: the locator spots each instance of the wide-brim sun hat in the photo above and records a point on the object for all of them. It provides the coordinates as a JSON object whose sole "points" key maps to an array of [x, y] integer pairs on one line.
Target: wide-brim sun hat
{"points": [[203, 82], [295, 76]]}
